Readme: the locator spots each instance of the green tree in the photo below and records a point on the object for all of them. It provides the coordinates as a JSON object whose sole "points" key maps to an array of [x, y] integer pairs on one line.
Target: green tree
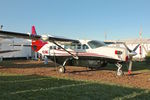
{"points": [[147, 58]]}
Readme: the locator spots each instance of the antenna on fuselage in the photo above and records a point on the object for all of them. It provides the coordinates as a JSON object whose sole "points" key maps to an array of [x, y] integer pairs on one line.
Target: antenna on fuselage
{"points": [[105, 34]]}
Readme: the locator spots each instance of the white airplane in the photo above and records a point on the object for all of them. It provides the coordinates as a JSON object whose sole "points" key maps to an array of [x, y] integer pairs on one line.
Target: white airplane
{"points": [[90, 53]]}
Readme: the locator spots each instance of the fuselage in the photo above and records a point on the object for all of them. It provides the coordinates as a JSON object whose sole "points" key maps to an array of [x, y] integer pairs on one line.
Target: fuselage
{"points": [[87, 50]]}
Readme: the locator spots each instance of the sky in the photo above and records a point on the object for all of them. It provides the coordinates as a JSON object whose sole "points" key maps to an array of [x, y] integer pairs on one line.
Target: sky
{"points": [[78, 19]]}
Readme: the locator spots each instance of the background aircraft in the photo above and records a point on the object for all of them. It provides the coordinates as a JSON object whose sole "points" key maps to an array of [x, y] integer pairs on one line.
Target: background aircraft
{"points": [[6, 51]]}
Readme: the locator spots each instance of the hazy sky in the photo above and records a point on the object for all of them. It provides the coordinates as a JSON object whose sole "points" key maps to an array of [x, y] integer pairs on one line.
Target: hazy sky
{"points": [[78, 19]]}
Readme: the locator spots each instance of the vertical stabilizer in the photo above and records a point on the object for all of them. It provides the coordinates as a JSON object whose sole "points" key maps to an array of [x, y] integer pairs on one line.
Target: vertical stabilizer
{"points": [[36, 44]]}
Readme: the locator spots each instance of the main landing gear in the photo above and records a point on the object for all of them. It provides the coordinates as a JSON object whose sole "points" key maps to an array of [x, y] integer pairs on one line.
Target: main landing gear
{"points": [[119, 71], [62, 68]]}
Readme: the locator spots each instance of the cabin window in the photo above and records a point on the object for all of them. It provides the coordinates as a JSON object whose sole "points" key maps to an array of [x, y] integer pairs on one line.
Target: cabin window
{"points": [[72, 47], [79, 46], [84, 46], [66, 46], [51, 47], [59, 48], [54, 47]]}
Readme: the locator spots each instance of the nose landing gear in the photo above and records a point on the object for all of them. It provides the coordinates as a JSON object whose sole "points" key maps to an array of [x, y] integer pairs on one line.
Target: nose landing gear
{"points": [[119, 70]]}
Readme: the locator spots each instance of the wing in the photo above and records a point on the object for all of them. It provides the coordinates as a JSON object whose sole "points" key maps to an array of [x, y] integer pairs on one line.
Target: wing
{"points": [[37, 37]]}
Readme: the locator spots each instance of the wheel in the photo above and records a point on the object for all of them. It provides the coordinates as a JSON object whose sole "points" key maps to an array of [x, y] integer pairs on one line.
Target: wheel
{"points": [[61, 69], [91, 68], [119, 73]]}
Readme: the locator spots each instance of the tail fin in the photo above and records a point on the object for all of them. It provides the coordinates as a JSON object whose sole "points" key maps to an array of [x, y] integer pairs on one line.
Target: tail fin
{"points": [[33, 30], [36, 44]]}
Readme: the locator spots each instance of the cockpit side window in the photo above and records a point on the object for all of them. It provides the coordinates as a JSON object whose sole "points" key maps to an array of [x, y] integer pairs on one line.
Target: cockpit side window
{"points": [[84, 46], [95, 44]]}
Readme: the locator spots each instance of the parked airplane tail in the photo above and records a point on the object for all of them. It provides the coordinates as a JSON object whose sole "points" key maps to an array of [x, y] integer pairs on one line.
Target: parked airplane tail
{"points": [[36, 44]]}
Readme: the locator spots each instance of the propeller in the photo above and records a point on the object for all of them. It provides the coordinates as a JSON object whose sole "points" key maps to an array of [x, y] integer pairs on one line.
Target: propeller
{"points": [[131, 54]]}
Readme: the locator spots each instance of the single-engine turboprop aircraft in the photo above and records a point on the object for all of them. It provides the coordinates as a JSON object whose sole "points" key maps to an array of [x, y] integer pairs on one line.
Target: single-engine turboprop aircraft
{"points": [[90, 53]]}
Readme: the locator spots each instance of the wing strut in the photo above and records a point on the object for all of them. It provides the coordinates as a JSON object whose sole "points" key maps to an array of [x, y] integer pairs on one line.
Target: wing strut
{"points": [[74, 56]]}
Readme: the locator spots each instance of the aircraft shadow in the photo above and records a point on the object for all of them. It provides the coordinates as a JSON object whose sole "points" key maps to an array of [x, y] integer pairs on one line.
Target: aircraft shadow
{"points": [[137, 66]]}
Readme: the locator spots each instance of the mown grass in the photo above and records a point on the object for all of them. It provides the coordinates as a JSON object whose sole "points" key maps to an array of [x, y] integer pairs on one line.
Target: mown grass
{"points": [[33, 87]]}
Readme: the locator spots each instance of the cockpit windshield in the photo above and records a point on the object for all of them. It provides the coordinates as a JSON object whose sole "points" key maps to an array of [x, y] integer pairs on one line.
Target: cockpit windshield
{"points": [[95, 44]]}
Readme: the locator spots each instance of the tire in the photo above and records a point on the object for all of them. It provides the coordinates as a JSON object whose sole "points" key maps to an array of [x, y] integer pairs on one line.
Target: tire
{"points": [[119, 73], [91, 68], [61, 69]]}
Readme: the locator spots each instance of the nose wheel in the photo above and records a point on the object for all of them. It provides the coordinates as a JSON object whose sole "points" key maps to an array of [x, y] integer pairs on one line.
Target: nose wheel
{"points": [[119, 70], [119, 73]]}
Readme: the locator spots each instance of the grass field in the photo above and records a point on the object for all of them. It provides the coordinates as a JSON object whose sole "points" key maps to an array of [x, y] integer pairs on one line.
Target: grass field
{"points": [[33, 87]]}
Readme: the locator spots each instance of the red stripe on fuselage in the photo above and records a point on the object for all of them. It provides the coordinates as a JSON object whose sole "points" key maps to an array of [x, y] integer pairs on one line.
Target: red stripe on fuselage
{"points": [[64, 53]]}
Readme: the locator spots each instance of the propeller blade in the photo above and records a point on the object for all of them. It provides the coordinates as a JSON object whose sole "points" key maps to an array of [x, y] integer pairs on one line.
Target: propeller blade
{"points": [[127, 47], [136, 47]]}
